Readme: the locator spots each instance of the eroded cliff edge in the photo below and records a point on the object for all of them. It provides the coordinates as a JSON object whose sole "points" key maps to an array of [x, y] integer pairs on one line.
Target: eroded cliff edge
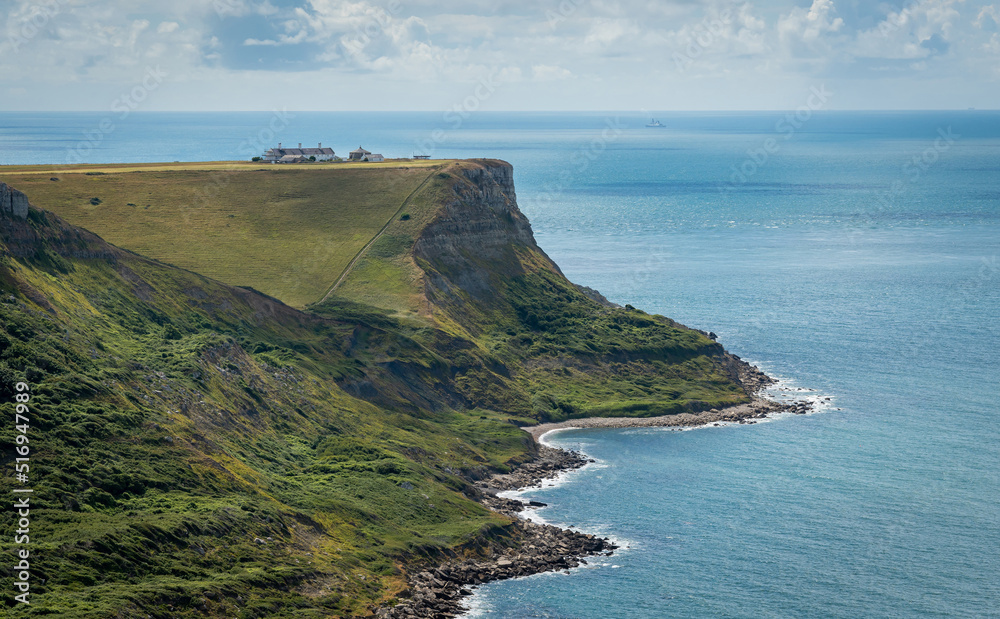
{"points": [[580, 360], [563, 350], [246, 457]]}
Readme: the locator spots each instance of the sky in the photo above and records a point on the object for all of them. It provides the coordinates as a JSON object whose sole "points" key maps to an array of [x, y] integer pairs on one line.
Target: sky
{"points": [[498, 55]]}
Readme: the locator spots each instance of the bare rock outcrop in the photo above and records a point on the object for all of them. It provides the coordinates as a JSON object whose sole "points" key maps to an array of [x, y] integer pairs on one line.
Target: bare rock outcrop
{"points": [[478, 235], [13, 203], [24, 238]]}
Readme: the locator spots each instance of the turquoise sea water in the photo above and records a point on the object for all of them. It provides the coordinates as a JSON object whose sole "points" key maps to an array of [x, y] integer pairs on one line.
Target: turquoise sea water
{"points": [[836, 262]]}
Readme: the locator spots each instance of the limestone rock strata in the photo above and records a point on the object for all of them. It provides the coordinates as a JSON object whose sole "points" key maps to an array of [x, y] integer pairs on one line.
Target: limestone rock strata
{"points": [[13, 203], [23, 239], [477, 235]]}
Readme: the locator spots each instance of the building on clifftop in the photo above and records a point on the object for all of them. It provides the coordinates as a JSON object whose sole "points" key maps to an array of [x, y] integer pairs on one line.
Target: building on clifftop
{"points": [[359, 154], [277, 155]]}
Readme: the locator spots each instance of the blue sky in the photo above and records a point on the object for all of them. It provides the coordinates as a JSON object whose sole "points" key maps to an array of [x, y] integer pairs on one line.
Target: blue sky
{"points": [[497, 55]]}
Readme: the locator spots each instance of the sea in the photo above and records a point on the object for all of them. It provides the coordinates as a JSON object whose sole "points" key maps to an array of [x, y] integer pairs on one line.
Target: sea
{"points": [[855, 256]]}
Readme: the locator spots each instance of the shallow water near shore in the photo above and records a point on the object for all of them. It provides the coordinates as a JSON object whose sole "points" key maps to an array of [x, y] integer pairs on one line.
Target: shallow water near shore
{"points": [[884, 505]]}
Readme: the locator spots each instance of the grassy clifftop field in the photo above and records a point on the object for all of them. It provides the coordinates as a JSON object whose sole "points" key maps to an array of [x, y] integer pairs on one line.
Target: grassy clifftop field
{"points": [[201, 449], [287, 231]]}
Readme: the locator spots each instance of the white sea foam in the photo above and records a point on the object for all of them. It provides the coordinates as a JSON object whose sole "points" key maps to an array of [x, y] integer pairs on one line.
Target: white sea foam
{"points": [[544, 438], [560, 479], [478, 604], [788, 390], [785, 390], [537, 514]]}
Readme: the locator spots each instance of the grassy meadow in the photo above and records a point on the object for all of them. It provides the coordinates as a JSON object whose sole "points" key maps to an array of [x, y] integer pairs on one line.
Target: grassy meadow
{"points": [[287, 231]]}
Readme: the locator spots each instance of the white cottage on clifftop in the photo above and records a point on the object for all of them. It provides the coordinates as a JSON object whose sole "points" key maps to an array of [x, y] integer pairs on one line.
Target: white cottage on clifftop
{"points": [[359, 154], [278, 155]]}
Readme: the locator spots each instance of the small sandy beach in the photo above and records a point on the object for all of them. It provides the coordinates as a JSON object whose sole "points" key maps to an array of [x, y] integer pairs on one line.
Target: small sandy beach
{"points": [[755, 409]]}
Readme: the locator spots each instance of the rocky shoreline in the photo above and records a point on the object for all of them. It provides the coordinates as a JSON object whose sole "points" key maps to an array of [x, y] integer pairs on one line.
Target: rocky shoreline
{"points": [[438, 592], [748, 413]]}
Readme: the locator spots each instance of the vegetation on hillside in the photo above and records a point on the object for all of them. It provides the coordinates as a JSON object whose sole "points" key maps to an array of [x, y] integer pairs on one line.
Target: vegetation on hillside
{"points": [[193, 453], [565, 354], [287, 231], [201, 449]]}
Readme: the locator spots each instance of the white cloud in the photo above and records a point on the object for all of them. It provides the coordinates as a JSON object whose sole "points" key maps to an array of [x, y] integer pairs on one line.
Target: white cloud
{"points": [[548, 73], [993, 46], [436, 46], [808, 32], [606, 32], [241, 8], [918, 31], [722, 34], [509, 74], [989, 17]]}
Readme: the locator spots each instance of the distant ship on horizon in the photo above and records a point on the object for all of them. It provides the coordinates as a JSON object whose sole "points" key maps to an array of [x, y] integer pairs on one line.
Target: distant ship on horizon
{"points": [[655, 123]]}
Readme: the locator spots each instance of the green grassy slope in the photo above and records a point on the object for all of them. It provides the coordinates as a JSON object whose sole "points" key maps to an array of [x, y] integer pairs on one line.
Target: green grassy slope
{"points": [[287, 231], [195, 454], [206, 450], [290, 231], [467, 254]]}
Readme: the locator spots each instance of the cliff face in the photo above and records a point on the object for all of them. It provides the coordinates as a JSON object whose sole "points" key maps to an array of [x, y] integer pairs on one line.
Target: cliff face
{"points": [[15, 232], [42, 231], [13, 203], [478, 237], [572, 352]]}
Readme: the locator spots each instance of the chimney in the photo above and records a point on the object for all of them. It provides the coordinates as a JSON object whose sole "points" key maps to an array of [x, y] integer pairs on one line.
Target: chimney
{"points": [[279, 145], [300, 144], [320, 145]]}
